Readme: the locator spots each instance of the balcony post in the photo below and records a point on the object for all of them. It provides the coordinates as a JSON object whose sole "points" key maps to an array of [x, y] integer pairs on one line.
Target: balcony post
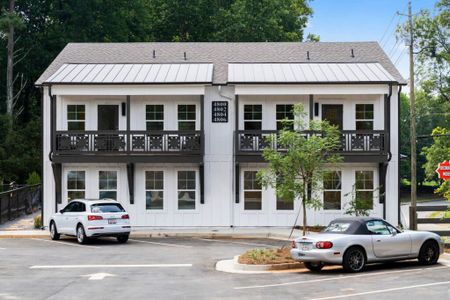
{"points": [[202, 125], [53, 124], [311, 107], [128, 124]]}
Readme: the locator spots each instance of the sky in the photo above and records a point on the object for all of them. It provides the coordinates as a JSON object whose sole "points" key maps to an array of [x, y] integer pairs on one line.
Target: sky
{"points": [[365, 20]]}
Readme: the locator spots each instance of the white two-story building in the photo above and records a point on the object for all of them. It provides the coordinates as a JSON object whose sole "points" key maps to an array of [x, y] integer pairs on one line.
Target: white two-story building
{"points": [[174, 131]]}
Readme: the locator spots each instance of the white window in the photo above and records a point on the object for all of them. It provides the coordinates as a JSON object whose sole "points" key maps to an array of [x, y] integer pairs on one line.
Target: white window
{"points": [[364, 117], [332, 185], [107, 184], [252, 191], [76, 117], [252, 117], [186, 189], [364, 188], [154, 190], [76, 185], [285, 116], [186, 116], [154, 117]]}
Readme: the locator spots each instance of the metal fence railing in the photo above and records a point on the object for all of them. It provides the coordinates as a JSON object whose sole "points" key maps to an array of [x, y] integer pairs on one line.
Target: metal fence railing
{"points": [[18, 201]]}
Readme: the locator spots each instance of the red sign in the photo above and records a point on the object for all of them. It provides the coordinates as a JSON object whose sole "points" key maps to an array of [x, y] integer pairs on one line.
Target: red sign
{"points": [[444, 170]]}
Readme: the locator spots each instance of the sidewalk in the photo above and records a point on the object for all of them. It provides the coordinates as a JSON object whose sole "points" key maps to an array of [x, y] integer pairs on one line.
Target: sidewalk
{"points": [[209, 232]]}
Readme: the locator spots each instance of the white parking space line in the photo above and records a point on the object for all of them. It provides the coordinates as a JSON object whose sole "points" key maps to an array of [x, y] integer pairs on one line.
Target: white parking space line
{"points": [[66, 244], [385, 290], [161, 244], [237, 243], [112, 266], [370, 274]]}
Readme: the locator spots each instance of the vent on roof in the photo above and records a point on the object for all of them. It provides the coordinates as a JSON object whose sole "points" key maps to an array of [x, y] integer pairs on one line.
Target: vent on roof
{"points": [[154, 54], [307, 55], [185, 56], [353, 54]]}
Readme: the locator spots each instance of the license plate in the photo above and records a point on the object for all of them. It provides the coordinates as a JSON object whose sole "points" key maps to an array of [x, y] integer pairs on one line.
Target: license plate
{"points": [[112, 221], [305, 246]]}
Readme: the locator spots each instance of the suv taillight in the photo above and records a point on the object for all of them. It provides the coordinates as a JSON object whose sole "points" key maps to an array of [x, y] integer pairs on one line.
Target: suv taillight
{"points": [[125, 216], [324, 245], [94, 218]]}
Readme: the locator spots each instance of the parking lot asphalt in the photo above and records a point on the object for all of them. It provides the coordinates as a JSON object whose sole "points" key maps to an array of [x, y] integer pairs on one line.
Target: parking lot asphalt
{"points": [[184, 268]]}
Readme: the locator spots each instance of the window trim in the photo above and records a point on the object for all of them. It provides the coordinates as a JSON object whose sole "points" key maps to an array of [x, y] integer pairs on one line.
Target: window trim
{"points": [[244, 120], [108, 190], [164, 206], [262, 210], [365, 120], [155, 121], [332, 190], [366, 190], [74, 190], [196, 120], [197, 194], [280, 120]]}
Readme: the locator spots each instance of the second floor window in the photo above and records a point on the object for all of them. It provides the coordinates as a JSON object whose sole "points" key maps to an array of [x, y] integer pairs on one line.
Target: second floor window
{"points": [[364, 117], [252, 117], [75, 117], [364, 188], [285, 116], [154, 117], [332, 185], [186, 117]]}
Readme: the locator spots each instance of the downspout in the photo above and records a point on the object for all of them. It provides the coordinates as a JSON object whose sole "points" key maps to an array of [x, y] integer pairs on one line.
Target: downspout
{"points": [[387, 128], [398, 156]]}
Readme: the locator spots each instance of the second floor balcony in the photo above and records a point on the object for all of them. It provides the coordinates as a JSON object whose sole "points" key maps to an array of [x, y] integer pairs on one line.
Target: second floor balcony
{"points": [[355, 145], [128, 146]]}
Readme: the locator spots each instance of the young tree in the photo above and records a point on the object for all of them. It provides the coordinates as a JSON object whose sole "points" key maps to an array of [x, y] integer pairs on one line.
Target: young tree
{"points": [[435, 154], [298, 159]]}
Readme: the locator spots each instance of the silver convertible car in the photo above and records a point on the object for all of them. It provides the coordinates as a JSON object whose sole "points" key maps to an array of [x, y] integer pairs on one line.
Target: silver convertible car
{"points": [[354, 242]]}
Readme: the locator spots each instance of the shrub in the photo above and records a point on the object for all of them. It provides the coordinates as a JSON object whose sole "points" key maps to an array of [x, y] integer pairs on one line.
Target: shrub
{"points": [[33, 178], [38, 222]]}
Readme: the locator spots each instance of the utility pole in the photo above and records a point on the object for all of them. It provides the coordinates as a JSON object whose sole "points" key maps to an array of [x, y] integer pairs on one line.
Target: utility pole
{"points": [[412, 98]]}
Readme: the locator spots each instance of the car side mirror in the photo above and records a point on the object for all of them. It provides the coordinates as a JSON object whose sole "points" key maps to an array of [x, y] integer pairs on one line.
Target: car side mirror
{"points": [[61, 211], [394, 233]]}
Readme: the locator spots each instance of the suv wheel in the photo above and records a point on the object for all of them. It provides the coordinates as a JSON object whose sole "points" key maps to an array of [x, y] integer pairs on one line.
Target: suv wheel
{"points": [[429, 253], [81, 235], [122, 238], [54, 235], [354, 260]]}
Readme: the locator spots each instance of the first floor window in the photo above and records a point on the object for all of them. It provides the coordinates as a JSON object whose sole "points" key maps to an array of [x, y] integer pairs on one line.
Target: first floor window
{"points": [[252, 191], [154, 116], [285, 204], [332, 185], [76, 117], [285, 116], [186, 189], [76, 185], [364, 117], [107, 184], [154, 190], [186, 117], [364, 189]]}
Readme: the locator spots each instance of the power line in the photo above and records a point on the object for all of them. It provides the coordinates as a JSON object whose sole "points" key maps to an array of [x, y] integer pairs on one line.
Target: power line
{"points": [[400, 56], [389, 26]]}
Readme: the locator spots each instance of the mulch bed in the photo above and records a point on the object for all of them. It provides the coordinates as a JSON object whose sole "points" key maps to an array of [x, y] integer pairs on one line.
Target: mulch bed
{"points": [[266, 256]]}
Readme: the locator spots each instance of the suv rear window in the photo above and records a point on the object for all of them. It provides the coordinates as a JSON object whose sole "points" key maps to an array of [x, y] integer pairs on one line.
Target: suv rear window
{"points": [[107, 208], [337, 227]]}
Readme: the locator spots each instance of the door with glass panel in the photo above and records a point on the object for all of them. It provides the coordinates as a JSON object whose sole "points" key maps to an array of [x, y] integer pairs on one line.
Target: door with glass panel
{"points": [[107, 123]]}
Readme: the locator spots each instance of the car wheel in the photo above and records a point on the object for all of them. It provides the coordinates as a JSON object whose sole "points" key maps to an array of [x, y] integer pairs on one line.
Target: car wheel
{"points": [[429, 253], [54, 235], [314, 266], [81, 235], [354, 260], [122, 238]]}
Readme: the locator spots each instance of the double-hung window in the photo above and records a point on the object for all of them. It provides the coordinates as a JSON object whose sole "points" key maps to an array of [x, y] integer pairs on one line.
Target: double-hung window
{"points": [[364, 188], [154, 190], [76, 185], [186, 116], [186, 189], [252, 191], [285, 116], [332, 185], [76, 116], [364, 117], [252, 117], [107, 184], [154, 117]]}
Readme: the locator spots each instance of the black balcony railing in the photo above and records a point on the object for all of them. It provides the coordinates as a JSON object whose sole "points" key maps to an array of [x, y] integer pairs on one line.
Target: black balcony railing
{"points": [[132, 142], [351, 141]]}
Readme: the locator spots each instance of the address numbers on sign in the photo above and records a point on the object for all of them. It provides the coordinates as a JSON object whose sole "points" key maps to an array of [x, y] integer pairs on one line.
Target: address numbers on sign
{"points": [[219, 111]]}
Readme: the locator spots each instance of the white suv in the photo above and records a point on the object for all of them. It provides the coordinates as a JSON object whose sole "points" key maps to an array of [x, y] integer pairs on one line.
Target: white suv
{"points": [[90, 219]]}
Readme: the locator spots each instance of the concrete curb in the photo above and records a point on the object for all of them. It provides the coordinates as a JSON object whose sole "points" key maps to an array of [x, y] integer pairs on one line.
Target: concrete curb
{"points": [[233, 266]]}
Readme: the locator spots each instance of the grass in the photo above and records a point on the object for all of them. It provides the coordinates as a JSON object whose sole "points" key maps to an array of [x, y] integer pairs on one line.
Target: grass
{"points": [[266, 256], [440, 214]]}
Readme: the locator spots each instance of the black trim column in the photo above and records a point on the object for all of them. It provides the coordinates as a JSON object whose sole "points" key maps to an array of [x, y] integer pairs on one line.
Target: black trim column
{"points": [[52, 125], [237, 176], [202, 183], [202, 124], [311, 107], [236, 147], [130, 175], [382, 170], [128, 110], [57, 175]]}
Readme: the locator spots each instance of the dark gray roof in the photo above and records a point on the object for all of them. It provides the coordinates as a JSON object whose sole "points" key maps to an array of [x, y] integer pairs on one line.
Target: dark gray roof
{"points": [[220, 54]]}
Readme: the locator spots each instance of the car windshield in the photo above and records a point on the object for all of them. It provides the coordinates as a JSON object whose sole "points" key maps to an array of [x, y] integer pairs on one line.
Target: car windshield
{"points": [[107, 208], [337, 227]]}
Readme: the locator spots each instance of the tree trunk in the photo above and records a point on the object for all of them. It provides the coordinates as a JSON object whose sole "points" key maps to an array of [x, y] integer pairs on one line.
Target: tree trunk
{"points": [[10, 65], [304, 217]]}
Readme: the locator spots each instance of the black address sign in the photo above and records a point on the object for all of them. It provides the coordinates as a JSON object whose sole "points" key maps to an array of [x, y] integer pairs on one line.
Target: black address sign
{"points": [[219, 112]]}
